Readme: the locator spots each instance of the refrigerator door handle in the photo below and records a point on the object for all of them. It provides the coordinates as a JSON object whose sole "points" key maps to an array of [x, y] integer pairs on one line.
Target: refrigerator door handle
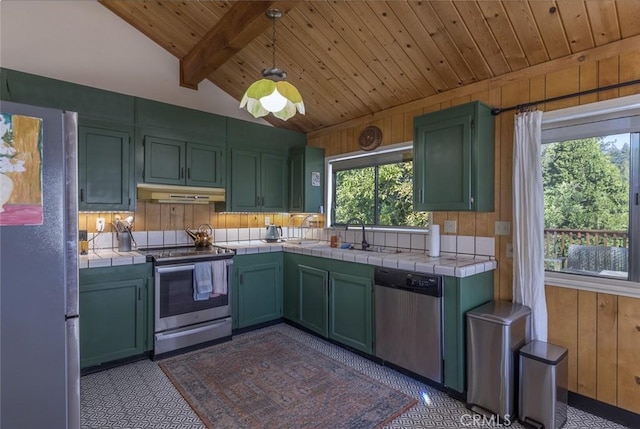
{"points": [[73, 373]]}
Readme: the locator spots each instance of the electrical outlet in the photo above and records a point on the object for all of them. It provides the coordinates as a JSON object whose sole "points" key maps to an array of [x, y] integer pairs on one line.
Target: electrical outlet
{"points": [[450, 226], [100, 224], [267, 220], [503, 227], [510, 250]]}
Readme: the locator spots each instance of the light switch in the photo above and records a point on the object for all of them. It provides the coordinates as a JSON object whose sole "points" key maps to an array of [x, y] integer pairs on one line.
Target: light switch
{"points": [[503, 227], [267, 220], [450, 226]]}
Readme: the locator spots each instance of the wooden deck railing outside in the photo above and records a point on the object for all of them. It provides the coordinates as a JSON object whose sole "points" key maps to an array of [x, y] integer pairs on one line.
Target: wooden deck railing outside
{"points": [[557, 242]]}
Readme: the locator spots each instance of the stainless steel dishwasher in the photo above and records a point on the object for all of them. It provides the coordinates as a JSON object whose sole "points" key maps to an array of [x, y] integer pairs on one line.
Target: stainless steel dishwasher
{"points": [[409, 321]]}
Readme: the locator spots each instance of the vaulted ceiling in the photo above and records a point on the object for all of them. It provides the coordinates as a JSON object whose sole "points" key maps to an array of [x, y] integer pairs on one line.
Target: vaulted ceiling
{"points": [[350, 59]]}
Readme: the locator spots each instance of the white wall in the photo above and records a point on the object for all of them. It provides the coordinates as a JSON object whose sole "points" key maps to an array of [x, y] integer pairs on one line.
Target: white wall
{"points": [[84, 42]]}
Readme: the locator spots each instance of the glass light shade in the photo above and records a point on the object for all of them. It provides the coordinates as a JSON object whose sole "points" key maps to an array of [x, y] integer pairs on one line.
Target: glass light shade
{"points": [[273, 102], [266, 91]]}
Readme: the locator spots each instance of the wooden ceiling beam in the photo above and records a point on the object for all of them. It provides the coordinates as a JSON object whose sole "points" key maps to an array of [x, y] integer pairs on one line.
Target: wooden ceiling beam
{"points": [[236, 29]]}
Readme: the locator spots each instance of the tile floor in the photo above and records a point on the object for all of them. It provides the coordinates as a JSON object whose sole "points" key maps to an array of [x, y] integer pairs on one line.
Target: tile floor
{"points": [[139, 395]]}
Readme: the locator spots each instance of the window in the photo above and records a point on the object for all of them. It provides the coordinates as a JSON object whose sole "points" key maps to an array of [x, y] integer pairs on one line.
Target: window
{"points": [[590, 178], [376, 188]]}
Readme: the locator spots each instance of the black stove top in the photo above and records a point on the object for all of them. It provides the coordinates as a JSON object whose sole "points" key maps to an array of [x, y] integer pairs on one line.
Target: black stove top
{"points": [[186, 254]]}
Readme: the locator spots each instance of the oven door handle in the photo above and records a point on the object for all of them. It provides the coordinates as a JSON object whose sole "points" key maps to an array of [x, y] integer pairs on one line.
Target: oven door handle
{"points": [[175, 269]]}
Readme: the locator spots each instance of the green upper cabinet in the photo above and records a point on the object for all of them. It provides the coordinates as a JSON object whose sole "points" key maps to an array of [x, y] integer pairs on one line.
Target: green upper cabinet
{"points": [[258, 181], [258, 159], [453, 163], [180, 146], [174, 162], [90, 103], [104, 167], [306, 179]]}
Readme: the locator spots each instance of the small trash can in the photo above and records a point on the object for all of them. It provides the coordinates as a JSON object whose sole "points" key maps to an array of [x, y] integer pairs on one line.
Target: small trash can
{"points": [[495, 333], [543, 385]]}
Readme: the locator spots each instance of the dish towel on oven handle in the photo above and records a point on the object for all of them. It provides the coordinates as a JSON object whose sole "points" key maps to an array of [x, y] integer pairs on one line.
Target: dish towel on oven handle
{"points": [[219, 269], [202, 281]]}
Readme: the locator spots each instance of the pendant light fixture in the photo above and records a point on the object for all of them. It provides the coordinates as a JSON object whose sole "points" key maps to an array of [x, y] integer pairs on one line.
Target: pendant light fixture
{"points": [[273, 94]]}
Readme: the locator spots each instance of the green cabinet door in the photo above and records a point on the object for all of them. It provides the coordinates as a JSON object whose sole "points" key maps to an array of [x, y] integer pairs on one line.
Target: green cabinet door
{"points": [[245, 180], [116, 313], [454, 159], [164, 161], [313, 296], [112, 321], [104, 168], [175, 162], [460, 296], [306, 179], [257, 289], [273, 183], [204, 165], [350, 311], [258, 181], [290, 278]]}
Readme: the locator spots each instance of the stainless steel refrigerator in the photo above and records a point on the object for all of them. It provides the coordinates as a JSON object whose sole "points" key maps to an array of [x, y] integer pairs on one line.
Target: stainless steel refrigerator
{"points": [[39, 329]]}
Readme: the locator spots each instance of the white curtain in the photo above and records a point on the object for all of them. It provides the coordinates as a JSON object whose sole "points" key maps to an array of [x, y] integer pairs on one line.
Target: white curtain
{"points": [[528, 221]]}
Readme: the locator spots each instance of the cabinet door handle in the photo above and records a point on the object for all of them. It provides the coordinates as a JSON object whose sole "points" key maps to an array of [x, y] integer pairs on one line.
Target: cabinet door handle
{"points": [[188, 173], [82, 194], [182, 172], [257, 201], [241, 279], [139, 294], [420, 196]]}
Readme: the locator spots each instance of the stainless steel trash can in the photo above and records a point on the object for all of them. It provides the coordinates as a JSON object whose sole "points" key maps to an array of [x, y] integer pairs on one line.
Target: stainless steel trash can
{"points": [[544, 377], [495, 332]]}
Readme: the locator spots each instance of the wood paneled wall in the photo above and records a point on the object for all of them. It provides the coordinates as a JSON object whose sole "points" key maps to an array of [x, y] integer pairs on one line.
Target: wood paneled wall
{"points": [[602, 332]]}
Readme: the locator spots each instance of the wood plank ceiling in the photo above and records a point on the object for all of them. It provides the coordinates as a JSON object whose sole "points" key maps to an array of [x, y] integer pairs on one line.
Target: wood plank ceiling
{"points": [[353, 58]]}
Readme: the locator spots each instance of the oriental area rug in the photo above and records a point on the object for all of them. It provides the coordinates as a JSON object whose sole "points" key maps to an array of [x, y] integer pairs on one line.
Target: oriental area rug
{"points": [[273, 381]]}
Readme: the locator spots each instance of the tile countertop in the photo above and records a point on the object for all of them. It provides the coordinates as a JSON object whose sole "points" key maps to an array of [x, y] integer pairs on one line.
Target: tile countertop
{"points": [[455, 265], [109, 258]]}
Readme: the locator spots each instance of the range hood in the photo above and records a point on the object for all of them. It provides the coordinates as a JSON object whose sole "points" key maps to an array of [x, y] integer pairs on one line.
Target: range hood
{"points": [[179, 194]]}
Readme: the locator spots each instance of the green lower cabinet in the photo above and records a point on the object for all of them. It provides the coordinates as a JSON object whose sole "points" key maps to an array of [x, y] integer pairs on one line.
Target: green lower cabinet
{"points": [[257, 289], [313, 299], [332, 298], [116, 320], [460, 296], [350, 311]]}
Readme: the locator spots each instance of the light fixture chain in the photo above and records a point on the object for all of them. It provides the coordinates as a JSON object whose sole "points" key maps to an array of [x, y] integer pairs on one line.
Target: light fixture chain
{"points": [[273, 38]]}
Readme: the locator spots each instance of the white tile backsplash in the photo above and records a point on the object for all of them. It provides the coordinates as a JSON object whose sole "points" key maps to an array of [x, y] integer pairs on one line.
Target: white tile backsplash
{"points": [[485, 246], [418, 241], [378, 238], [391, 239], [140, 237], [404, 241], [182, 238], [155, 238], [243, 234], [466, 244], [220, 235], [232, 234], [448, 243], [169, 238]]}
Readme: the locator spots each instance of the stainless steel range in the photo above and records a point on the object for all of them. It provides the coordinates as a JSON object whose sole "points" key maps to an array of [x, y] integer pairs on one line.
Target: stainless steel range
{"points": [[183, 316]]}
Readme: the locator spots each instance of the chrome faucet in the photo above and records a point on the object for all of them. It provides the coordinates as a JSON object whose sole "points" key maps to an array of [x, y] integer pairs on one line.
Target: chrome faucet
{"points": [[365, 245]]}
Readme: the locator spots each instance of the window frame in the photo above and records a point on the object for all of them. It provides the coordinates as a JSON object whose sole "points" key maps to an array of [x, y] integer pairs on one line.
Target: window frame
{"points": [[616, 116], [381, 155]]}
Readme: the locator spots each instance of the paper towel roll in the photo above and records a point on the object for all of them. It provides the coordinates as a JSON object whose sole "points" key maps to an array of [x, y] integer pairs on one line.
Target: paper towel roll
{"points": [[434, 241]]}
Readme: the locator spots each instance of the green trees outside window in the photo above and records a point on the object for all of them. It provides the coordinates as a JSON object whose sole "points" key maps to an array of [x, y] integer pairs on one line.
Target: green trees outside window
{"points": [[379, 195]]}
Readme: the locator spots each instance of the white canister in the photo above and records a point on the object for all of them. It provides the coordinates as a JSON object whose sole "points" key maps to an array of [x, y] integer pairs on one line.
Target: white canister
{"points": [[434, 241]]}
